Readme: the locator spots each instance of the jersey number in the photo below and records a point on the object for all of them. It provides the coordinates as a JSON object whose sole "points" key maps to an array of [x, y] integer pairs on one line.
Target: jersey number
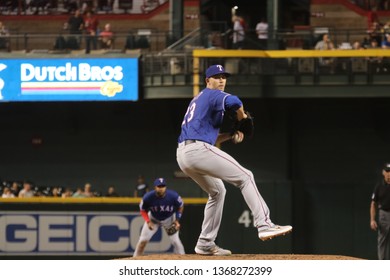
{"points": [[189, 114]]}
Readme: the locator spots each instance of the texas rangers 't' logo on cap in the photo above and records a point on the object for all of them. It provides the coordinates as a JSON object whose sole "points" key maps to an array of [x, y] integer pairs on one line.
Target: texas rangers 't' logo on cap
{"points": [[215, 70], [159, 182]]}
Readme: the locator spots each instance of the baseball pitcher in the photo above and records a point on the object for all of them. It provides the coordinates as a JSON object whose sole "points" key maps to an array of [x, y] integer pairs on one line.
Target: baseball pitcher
{"points": [[209, 166]]}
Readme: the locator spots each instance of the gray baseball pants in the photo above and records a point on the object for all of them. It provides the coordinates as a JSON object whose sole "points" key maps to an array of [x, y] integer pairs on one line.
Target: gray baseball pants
{"points": [[209, 166]]}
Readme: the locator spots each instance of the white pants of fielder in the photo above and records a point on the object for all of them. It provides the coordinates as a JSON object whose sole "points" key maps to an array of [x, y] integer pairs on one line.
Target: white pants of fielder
{"points": [[209, 166], [147, 234]]}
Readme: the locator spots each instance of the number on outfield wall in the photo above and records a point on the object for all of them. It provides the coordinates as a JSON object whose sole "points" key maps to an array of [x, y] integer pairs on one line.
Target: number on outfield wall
{"points": [[245, 218]]}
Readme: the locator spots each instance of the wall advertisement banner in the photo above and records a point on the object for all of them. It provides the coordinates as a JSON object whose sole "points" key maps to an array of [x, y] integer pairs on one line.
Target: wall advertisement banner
{"points": [[69, 79], [75, 233]]}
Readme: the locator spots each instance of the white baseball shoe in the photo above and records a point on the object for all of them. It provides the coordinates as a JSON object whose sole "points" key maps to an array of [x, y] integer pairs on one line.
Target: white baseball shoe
{"points": [[274, 231], [212, 251]]}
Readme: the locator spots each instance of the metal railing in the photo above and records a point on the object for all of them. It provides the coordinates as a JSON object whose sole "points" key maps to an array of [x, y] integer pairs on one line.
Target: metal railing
{"points": [[40, 41], [254, 68], [220, 38]]}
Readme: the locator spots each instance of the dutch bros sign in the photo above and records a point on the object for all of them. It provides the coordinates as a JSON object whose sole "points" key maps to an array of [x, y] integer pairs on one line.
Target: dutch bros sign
{"points": [[69, 79], [75, 233]]}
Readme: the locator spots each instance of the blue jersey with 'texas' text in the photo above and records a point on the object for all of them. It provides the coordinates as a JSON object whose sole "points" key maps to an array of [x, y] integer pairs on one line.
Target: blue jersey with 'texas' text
{"points": [[161, 208]]}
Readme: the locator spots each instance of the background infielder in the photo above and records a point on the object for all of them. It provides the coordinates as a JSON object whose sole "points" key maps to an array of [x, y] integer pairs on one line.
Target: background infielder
{"points": [[209, 166], [161, 207]]}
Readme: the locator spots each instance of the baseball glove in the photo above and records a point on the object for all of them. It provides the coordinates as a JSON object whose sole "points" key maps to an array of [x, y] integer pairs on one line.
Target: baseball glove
{"points": [[246, 125], [172, 229]]}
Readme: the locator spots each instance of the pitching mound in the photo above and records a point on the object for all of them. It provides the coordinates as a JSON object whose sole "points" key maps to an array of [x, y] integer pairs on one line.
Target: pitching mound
{"points": [[243, 257]]}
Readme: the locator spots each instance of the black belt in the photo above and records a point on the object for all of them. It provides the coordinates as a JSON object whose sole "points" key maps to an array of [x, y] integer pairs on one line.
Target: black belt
{"points": [[187, 142]]}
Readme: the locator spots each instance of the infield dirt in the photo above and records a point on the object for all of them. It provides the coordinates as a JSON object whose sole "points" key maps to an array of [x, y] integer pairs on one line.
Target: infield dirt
{"points": [[243, 257]]}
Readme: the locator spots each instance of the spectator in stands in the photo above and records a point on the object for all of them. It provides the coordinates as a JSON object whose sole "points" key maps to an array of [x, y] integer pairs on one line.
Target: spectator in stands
{"points": [[141, 187], [91, 24], [358, 64], [78, 193], [325, 44], [55, 192], [27, 190], [88, 190], [67, 193], [366, 43], [386, 42], [15, 189], [262, 33], [357, 46], [106, 37], [376, 31], [75, 25], [3, 29], [238, 32], [7, 193], [386, 27], [111, 192], [4, 37], [75, 22], [373, 44], [39, 191]]}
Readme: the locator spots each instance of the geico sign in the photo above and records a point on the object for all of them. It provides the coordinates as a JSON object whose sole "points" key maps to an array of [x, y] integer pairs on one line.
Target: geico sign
{"points": [[48, 232]]}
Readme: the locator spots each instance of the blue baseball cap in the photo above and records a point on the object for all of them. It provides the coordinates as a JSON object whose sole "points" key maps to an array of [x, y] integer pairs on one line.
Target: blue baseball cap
{"points": [[215, 70], [159, 182]]}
